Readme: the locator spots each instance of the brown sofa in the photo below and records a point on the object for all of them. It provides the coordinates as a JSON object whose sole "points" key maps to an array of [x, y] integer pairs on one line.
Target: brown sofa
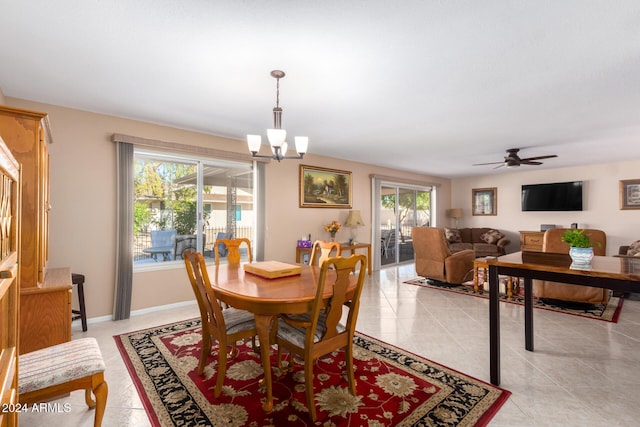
{"points": [[435, 261], [483, 240], [552, 242], [633, 250]]}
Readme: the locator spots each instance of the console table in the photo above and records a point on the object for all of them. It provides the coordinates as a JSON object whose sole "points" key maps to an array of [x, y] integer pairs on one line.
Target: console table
{"points": [[344, 247], [531, 241], [618, 274]]}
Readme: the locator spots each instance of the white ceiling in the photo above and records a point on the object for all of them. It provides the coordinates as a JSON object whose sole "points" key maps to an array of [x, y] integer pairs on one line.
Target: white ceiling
{"points": [[431, 86]]}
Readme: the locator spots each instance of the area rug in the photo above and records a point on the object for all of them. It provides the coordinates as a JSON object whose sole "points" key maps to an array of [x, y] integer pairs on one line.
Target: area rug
{"points": [[394, 387], [608, 312]]}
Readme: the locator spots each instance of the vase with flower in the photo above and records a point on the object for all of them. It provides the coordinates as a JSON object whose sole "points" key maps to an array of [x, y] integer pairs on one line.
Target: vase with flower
{"points": [[333, 228]]}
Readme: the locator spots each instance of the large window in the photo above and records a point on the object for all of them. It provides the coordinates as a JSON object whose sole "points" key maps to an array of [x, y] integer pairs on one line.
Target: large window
{"points": [[187, 202]]}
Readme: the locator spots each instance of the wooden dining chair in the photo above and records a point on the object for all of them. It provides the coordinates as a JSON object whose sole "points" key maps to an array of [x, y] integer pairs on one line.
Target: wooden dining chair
{"points": [[227, 326], [320, 332], [321, 251], [233, 249]]}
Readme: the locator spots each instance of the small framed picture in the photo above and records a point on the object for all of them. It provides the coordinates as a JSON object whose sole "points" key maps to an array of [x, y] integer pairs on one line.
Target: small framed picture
{"points": [[324, 188], [484, 201], [630, 194]]}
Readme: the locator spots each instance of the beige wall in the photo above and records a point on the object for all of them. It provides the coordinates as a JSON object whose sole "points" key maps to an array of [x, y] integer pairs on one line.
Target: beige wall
{"points": [[600, 202], [83, 176]]}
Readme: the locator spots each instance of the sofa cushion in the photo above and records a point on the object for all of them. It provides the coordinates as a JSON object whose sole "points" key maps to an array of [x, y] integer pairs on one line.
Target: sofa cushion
{"points": [[460, 246], [634, 249], [466, 235], [452, 235], [492, 236], [486, 249]]}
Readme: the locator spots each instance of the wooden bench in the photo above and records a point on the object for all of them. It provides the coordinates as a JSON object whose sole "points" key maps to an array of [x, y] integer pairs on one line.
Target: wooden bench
{"points": [[54, 371]]}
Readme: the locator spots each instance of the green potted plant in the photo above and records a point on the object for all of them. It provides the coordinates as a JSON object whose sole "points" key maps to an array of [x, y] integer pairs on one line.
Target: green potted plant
{"points": [[581, 250]]}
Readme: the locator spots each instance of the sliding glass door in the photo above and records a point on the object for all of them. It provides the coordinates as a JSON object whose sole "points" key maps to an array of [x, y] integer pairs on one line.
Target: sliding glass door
{"points": [[400, 207]]}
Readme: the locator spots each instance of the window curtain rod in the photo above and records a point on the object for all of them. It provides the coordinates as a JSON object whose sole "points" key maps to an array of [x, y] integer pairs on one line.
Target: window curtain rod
{"points": [[403, 181], [184, 148]]}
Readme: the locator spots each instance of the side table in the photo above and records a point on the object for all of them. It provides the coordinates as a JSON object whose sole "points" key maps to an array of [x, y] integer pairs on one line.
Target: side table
{"points": [[482, 265]]}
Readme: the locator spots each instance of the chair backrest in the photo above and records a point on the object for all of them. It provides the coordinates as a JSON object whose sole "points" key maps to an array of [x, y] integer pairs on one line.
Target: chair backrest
{"points": [[222, 249], [184, 242], [431, 250], [552, 241], [233, 249], [210, 310], [322, 251], [340, 299], [389, 241], [161, 238]]}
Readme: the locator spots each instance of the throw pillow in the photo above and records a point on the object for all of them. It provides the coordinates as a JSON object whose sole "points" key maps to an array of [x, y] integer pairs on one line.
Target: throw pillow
{"points": [[634, 249], [452, 235], [492, 236]]}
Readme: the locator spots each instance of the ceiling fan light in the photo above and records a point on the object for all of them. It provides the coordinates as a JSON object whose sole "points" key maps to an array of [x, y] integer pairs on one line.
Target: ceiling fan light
{"points": [[276, 137], [254, 142], [302, 142]]}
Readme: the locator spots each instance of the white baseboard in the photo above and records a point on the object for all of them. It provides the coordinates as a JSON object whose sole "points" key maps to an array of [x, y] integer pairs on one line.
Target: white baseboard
{"points": [[142, 311]]}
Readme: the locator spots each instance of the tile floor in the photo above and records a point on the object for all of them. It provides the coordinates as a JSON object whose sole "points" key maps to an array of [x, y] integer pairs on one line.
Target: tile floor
{"points": [[583, 373]]}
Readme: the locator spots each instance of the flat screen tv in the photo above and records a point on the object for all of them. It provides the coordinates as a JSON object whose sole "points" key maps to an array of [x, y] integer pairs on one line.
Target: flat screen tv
{"points": [[557, 196]]}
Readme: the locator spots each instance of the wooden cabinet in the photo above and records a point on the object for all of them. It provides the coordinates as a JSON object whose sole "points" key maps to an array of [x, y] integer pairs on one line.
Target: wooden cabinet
{"points": [[9, 284], [531, 241], [45, 314], [27, 134]]}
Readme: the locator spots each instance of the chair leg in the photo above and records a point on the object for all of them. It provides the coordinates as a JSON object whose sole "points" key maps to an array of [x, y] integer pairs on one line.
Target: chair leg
{"points": [[100, 391], [348, 354], [233, 353], [89, 399], [254, 346], [222, 369], [308, 381], [204, 353], [280, 367]]}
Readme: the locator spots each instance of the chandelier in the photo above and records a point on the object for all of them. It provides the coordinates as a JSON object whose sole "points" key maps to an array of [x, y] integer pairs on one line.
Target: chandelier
{"points": [[277, 136]]}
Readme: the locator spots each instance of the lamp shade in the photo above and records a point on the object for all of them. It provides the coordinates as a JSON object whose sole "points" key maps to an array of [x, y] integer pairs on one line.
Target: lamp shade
{"points": [[302, 142], [455, 213], [354, 219], [276, 137], [254, 142]]}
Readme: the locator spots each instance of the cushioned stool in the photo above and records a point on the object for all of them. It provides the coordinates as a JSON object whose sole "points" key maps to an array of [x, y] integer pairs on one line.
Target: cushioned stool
{"points": [[53, 371]]}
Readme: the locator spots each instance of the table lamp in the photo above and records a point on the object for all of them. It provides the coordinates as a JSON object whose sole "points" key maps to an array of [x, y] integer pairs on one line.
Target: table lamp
{"points": [[354, 220], [455, 213]]}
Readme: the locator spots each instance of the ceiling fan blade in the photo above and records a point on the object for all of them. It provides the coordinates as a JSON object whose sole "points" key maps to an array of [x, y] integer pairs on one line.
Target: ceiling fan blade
{"points": [[529, 162], [540, 157], [499, 166], [491, 163]]}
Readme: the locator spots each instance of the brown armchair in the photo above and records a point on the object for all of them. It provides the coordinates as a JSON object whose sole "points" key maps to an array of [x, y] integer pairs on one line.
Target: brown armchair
{"points": [[552, 242], [435, 261]]}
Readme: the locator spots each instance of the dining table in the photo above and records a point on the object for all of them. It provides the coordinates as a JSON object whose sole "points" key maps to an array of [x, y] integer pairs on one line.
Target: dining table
{"points": [[268, 298], [616, 273]]}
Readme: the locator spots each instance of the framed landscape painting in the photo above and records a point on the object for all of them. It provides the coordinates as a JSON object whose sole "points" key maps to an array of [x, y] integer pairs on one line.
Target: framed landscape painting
{"points": [[324, 188], [630, 194], [484, 201]]}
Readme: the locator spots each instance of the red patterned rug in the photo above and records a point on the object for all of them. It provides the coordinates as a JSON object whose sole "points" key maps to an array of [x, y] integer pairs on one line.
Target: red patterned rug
{"points": [[608, 312], [394, 387]]}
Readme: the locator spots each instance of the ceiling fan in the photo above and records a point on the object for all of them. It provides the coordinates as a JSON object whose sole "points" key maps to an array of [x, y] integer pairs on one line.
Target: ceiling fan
{"points": [[512, 159]]}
